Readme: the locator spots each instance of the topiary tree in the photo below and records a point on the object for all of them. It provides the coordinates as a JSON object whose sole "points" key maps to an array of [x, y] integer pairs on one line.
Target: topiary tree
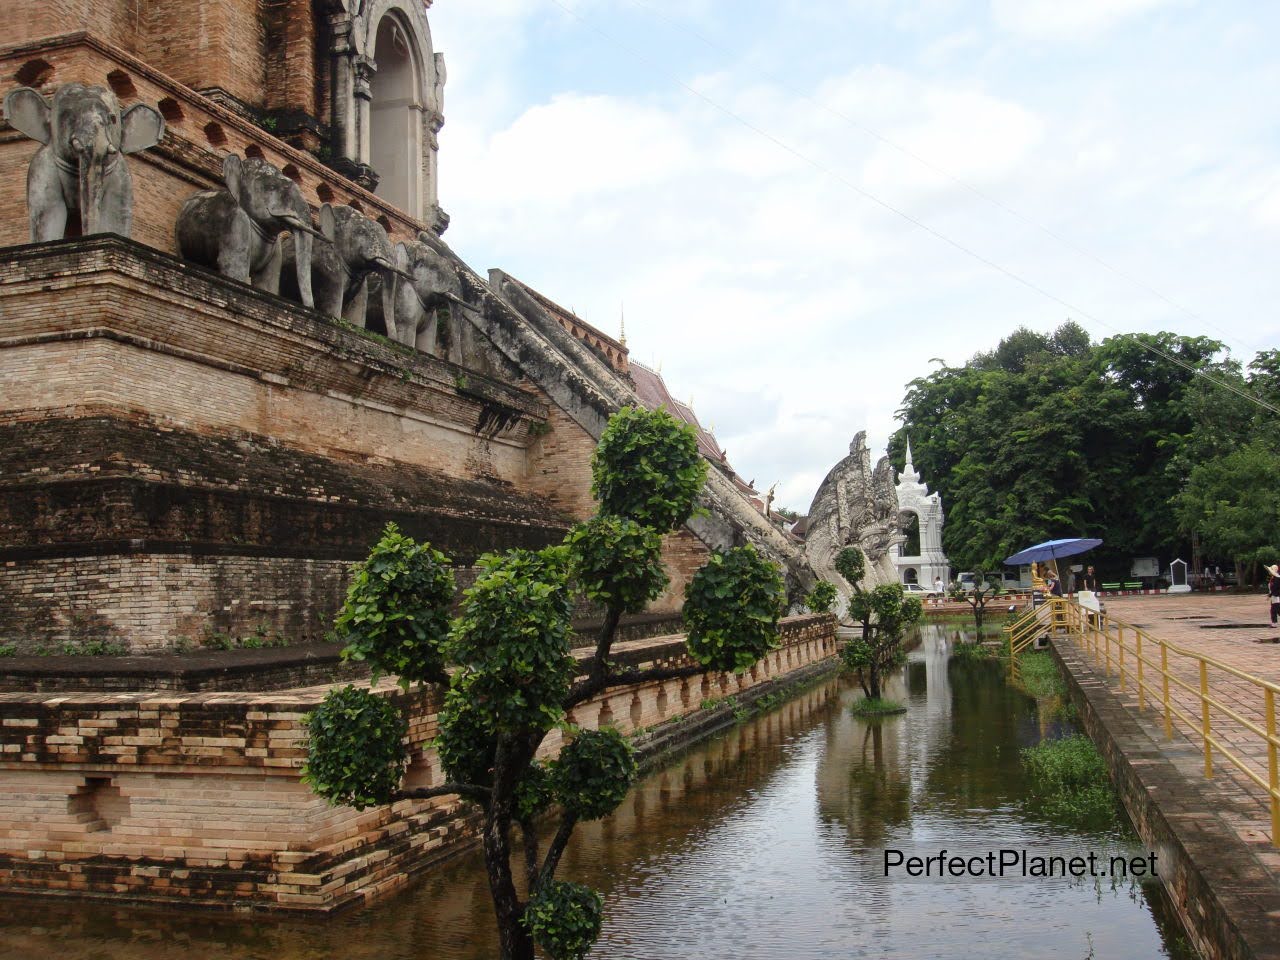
{"points": [[821, 597], [986, 587], [885, 612], [514, 677]]}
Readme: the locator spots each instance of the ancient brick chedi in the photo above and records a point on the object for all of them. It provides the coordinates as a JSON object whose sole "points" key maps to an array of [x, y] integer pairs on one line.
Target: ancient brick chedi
{"points": [[238, 348], [185, 452]]}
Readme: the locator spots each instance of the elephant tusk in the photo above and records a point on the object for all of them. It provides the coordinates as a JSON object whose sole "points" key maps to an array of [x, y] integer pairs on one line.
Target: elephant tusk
{"points": [[392, 268], [297, 223]]}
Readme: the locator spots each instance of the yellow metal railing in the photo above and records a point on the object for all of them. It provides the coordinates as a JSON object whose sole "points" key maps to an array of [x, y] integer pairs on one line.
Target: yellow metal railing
{"points": [[1033, 624], [1149, 665]]}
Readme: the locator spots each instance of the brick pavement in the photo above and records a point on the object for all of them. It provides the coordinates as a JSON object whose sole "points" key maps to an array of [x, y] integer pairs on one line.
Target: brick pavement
{"points": [[1232, 629]]}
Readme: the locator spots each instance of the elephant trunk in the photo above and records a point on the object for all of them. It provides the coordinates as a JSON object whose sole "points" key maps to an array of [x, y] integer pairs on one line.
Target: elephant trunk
{"points": [[95, 156]]}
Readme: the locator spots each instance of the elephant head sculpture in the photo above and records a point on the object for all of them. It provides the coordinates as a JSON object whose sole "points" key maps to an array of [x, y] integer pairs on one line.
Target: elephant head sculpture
{"points": [[81, 166], [237, 230], [340, 268], [427, 284]]}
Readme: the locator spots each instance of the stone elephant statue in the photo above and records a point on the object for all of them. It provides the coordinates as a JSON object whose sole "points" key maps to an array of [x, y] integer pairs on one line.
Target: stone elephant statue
{"points": [[237, 230], [427, 284], [81, 166], [357, 247]]}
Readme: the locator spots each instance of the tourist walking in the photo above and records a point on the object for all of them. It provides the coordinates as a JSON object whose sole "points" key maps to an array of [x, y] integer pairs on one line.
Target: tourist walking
{"points": [[1273, 593]]}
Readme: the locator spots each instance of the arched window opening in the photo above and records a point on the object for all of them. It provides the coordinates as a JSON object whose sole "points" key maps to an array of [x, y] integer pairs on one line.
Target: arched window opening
{"points": [[395, 120], [910, 575], [911, 530]]}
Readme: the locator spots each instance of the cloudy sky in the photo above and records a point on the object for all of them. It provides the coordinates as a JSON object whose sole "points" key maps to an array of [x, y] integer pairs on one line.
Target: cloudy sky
{"points": [[779, 193]]}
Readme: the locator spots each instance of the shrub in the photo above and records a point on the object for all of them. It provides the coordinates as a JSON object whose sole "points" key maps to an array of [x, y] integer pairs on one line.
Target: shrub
{"points": [[731, 609], [396, 615], [564, 918], [821, 597], [593, 773], [647, 468], [355, 751]]}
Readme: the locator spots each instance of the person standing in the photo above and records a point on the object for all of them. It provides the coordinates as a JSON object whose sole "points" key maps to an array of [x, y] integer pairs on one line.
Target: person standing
{"points": [[1089, 581], [1273, 593]]}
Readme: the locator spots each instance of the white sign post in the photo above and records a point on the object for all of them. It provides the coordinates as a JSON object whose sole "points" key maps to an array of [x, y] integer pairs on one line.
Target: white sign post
{"points": [[1178, 577]]}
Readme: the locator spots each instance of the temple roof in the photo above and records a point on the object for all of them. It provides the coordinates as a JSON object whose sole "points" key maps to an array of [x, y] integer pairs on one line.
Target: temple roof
{"points": [[654, 393]]}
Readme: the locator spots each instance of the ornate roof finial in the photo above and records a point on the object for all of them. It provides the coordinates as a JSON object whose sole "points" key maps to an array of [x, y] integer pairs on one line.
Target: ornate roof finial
{"points": [[622, 330], [908, 474]]}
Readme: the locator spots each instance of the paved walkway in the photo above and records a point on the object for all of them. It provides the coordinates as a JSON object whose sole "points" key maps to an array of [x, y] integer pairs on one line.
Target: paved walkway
{"points": [[1234, 630]]}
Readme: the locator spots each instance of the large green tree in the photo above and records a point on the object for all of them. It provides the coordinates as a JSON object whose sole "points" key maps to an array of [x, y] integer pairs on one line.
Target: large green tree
{"points": [[1054, 435], [1231, 502], [510, 676]]}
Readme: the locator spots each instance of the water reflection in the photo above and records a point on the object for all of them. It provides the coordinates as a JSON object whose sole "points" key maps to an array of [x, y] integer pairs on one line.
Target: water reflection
{"points": [[754, 845]]}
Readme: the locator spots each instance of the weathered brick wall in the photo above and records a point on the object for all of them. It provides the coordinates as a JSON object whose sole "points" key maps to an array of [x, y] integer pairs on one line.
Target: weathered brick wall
{"points": [[180, 454], [291, 58], [560, 465], [116, 21], [196, 797], [153, 602], [209, 44], [212, 355]]}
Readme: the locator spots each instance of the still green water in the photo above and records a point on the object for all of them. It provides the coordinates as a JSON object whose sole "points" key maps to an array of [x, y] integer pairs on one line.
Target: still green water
{"points": [[765, 842]]}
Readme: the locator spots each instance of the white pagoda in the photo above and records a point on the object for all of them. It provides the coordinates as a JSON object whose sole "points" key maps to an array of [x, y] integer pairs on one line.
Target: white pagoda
{"points": [[915, 499]]}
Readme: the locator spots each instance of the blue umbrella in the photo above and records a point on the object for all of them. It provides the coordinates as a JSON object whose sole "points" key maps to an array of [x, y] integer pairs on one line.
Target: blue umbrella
{"points": [[1052, 550]]}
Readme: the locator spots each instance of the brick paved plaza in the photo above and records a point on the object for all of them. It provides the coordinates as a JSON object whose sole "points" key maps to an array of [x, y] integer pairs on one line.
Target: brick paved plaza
{"points": [[1234, 630]]}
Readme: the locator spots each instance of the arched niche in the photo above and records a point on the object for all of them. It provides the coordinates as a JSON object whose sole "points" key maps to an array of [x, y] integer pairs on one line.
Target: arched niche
{"points": [[910, 575], [911, 530], [396, 115]]}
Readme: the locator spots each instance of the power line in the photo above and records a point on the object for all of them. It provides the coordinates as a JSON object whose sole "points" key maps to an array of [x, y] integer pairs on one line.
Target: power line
{"points": [[940, 171], [914, 221]]}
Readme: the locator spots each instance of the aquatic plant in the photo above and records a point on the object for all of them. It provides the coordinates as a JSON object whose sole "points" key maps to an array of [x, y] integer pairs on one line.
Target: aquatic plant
{"points": [[876, 707], [1069, 781]]}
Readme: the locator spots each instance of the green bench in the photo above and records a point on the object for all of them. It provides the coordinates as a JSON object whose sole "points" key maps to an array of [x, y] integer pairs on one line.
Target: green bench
{"points": [[1111, 586], [1133, 584]]}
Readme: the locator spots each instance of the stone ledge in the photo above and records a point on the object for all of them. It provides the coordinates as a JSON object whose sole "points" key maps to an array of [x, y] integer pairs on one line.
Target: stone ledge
{"points": [[218, 817], [135, 289], [1227, 901]]}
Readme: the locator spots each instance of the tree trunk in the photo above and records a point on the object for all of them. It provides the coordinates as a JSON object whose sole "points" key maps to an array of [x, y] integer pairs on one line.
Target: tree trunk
{"points": [[513, 939], [873, 682]]}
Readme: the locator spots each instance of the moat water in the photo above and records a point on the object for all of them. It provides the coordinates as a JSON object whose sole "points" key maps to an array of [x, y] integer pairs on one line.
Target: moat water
{"points": [[766, 842]]}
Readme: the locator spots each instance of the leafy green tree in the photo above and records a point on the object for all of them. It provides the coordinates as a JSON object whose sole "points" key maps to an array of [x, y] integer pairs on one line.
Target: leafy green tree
{"points": [[986, 586], [885, 613], [822, 597], [513, 675], [1052, 436], [1231, 502]]}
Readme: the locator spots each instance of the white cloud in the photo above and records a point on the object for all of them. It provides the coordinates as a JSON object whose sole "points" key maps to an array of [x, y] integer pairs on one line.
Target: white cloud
{"points": [[1072, 18], [794, 310]]}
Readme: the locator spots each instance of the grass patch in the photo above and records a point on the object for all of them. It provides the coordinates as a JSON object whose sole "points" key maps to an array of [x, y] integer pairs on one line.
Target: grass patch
{"points": [[1039, 676], [876, 707], [1069, 782], [971, 651], [94, 648]]}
